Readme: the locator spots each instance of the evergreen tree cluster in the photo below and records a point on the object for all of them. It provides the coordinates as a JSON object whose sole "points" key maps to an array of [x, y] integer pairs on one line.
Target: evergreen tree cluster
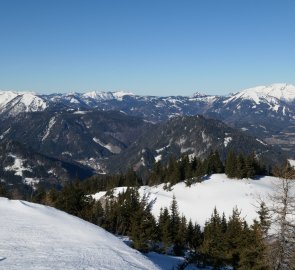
{"points": [[241, 166], [185, 168], [192, 170], [232, 243]]}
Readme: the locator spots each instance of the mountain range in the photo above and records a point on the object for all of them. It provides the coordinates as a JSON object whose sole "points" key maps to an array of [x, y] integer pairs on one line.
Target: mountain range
{"points": [[108, 132], [265, 111]]}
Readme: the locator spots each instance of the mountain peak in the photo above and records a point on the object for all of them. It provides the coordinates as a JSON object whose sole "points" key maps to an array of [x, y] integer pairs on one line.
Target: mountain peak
{"points": [[199, 94], [106, 95], [279, 91]]}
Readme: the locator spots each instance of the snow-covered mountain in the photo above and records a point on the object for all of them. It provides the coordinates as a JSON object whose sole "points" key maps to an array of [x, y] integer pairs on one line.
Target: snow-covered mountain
{"points": [[273, 95], [279, 91], [13, 103], [38, 237], [266, 112]]}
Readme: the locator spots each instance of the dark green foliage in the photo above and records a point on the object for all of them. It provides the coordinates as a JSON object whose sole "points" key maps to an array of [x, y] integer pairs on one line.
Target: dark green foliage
{"points": [[72, 200], [234, 237], [174, 218], [180, 239], [3, 190], [143, 226], [213, 163], [230, 164], [164, 228], [253, 252], [213, 247], [243, 166], [264, 218], [185, 169], [231, 243]]}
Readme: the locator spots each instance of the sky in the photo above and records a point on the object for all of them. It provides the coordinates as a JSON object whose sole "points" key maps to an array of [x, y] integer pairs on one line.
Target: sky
{"points": [[151, 47]]}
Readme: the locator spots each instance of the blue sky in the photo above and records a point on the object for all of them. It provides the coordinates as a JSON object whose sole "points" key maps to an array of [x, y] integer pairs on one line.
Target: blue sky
{"points": [[146, 47]]}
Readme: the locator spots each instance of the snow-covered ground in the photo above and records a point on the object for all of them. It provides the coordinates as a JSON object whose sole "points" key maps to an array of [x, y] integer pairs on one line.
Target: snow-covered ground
{"points": [[34, 236], [198, 201]]}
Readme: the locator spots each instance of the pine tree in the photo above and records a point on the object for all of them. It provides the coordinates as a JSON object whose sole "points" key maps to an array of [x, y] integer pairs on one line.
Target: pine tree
{"points": [[234, 238], [213, 246], [164, 228], [143, 228], [179, 243], [264, 218], [230, 164], [250, 166], [174, 219], [214, 163], [240, 167], [253, 251], [190, 235]]}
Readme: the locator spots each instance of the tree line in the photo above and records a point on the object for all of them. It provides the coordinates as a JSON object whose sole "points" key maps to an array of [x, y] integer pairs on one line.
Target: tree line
{"points": [[193, 169], [186, 169]]}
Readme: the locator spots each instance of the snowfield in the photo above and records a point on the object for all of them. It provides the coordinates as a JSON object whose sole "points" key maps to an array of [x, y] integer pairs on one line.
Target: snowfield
{"points": [[35, 237], [198, 201]]}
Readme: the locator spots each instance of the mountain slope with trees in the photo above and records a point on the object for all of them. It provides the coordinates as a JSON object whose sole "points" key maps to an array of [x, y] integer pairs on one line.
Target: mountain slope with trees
{"points": [[194, 136]]}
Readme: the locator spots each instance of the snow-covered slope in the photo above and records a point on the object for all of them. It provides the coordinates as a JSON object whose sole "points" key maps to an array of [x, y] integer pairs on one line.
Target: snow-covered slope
{"points": [[13, 103], [280, 91], [198, 201], [102, 96], [33, 236]]}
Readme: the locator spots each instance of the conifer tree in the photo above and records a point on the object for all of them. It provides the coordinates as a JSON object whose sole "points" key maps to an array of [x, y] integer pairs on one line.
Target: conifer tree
{"points": [[250, 166], [179, 242], [164, 228], [213, 163], [174, 219], [213, 247], [240, 167], [234, 237], [264, 218], [143, 229], [253, 251], [230, 164], [190, 235]]}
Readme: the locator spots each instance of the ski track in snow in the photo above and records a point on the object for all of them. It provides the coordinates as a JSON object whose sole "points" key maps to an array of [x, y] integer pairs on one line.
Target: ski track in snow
{"points": [[39, 237]]}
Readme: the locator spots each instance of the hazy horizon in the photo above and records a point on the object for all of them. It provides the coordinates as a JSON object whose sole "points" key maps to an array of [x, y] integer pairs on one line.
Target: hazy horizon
{"points": [[134, 93]]}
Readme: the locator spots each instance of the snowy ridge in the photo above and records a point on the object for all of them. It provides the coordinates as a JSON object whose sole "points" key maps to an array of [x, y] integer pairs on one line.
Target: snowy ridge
{"points": [[6, 96], [271, 93], [14, 103], [38, 237], [106, 95]]}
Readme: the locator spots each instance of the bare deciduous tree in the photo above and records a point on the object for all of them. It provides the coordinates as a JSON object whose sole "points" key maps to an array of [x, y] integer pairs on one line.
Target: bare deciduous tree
{"points": [[282, 208]]}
